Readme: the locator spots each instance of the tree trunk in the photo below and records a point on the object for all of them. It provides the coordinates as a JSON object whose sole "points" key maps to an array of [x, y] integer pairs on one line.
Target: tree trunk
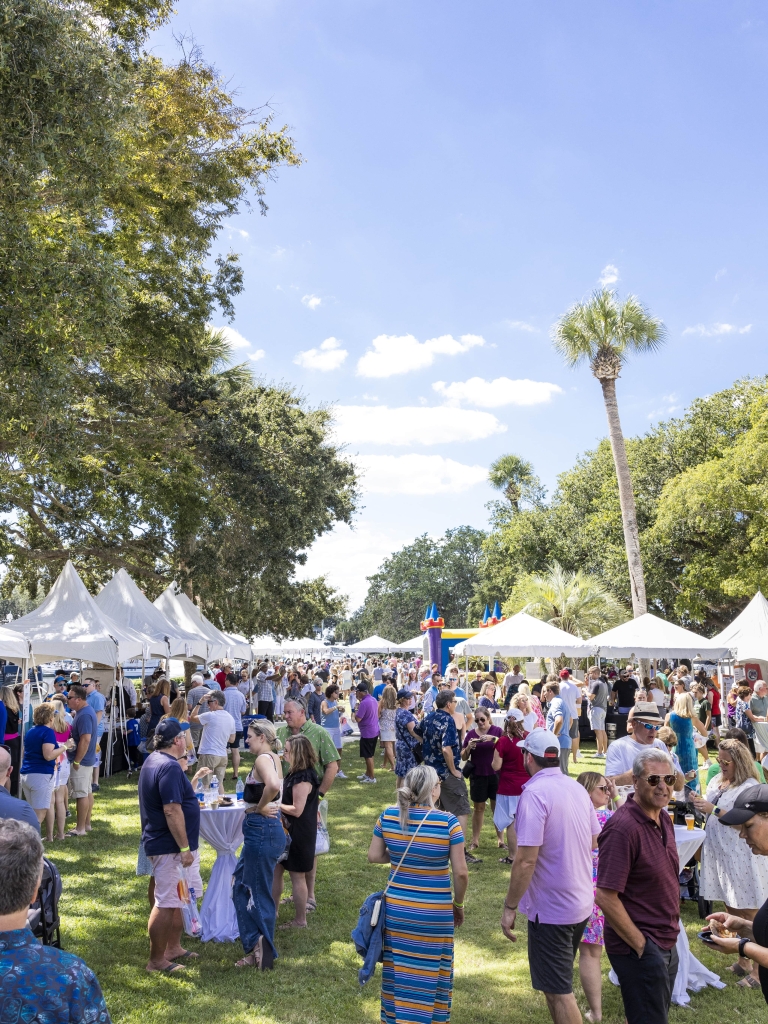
{"points": [[626, 498]]}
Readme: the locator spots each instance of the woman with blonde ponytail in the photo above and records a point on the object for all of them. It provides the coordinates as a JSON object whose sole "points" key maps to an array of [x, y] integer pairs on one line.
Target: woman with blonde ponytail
{"points": [[420, 842]]}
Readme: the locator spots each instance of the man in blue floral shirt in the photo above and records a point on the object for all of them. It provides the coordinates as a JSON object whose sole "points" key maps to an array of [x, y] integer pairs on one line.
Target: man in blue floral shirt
{"points": [[442, 751], [38, 984]]}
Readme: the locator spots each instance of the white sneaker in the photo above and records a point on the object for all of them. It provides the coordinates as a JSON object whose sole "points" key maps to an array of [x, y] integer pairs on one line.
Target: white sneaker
{"points": [[365, 779], [340, 775]]}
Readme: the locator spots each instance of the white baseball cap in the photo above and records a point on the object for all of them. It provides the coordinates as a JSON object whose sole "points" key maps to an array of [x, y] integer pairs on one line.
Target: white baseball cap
{"points": [[542, 743], [516, 714]]}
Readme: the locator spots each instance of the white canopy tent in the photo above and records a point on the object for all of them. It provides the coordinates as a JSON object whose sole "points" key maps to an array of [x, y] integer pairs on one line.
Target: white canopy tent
{"points": [[12, 646], [372, 645], [123, 601], [219, 644], [186, 621], [747, 635], [415, 646], [648, 636], [69, 624], [523, 635]]}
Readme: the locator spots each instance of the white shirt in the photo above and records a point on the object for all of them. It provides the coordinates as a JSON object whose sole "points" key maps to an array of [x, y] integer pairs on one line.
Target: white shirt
{"points": [[657, 696], [572, 696], [307, 688], [218, 726], [529, 722], [622, 753]]}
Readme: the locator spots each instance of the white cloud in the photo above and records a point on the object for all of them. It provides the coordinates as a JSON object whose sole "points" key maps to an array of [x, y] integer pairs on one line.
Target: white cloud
{"points": [[521, 325], [417, 474], [408, 425], [329, 356], [670, 405], [492, 394], [237, 231], [346, 556], [392, 355], [609, 275], [257, 355], [311, 301], [713, 330], [721, 273], [232, 337]]}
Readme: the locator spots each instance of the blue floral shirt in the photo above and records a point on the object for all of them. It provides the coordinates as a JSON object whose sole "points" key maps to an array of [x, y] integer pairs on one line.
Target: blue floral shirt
{"points": [[439, 730], [44, 985]]}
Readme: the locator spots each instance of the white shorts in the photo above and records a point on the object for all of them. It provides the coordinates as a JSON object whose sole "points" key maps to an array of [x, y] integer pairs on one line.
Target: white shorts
{"points": [[61, 773], [597, 718], [37, 790], [165, 868], [506, 809]]}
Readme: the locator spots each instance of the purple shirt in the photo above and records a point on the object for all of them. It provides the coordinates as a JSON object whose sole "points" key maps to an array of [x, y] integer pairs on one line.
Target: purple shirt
{"points": [[367, 715], [556, 814]]}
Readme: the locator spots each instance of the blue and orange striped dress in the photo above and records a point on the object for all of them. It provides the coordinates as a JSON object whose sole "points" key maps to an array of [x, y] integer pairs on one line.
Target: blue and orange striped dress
{"points": [[417, 978]]}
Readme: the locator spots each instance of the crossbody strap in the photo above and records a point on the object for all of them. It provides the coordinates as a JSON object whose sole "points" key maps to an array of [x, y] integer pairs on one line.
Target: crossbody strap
{"points": [[400, 862]]}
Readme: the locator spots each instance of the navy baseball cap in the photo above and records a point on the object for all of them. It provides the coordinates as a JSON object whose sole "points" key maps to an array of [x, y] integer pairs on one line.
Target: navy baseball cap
{"points": [[169, 728]]}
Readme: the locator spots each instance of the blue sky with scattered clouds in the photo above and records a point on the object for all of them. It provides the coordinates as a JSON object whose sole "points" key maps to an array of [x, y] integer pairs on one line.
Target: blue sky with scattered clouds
{"points": [[471, 170]]}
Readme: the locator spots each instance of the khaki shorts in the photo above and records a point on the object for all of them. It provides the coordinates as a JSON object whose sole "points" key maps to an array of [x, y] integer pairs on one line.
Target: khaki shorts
{"points": [[80, 780], [165, 868], [453, 795], [218, 766]]}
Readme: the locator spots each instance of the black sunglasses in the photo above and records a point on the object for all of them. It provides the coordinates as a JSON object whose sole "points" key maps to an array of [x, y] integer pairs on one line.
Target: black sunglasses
{"points": [[653, 780]]}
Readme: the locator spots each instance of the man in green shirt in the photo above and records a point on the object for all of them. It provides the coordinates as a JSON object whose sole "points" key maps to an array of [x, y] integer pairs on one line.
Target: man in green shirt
{"points": [[327, 763]]}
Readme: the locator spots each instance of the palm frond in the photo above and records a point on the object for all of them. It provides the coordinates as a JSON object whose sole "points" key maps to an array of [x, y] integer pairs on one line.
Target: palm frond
{"points": [[605, 323], [573, 601]]}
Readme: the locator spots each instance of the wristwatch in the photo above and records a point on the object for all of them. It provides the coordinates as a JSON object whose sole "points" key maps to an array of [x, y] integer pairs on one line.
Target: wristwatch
{"points": [[742, 945], [717, 811]]}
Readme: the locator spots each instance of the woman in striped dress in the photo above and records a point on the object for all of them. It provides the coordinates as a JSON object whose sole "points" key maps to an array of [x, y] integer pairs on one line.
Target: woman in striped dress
{"points": [[421, 913]]}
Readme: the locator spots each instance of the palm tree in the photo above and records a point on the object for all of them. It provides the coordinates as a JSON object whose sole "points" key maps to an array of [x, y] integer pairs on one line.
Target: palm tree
{"points": [[573, 601], [605, 332], [515, 477]]}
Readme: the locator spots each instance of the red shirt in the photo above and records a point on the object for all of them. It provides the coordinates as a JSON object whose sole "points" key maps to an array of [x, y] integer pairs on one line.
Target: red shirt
{"points": [[637, 858], [221, 678], [513, 775], [714, 699]]}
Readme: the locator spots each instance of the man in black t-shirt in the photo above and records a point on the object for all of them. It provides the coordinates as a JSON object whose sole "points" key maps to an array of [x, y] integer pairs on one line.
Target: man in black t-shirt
{"points": [[624, 692], [170, 821]]}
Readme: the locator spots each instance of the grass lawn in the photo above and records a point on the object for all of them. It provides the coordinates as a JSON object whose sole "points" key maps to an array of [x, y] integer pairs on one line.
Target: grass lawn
{"points": [[104, 911]]}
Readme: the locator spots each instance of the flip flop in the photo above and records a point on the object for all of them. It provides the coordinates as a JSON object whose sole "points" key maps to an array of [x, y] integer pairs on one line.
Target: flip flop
{"points": [[506, 860], [170, 969], [286, 899], [188, 954], [75, 835]]}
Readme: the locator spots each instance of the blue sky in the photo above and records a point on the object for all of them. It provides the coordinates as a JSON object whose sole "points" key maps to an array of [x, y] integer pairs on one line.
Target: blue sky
{"points": [[471, 170]]}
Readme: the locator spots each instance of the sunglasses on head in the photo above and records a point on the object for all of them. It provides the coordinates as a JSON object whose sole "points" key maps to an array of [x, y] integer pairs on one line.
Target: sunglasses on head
{"points": [[653, 780]]}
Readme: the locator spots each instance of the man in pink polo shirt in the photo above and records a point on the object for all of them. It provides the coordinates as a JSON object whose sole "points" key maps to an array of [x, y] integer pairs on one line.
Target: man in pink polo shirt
{"points": [[551, 879]]}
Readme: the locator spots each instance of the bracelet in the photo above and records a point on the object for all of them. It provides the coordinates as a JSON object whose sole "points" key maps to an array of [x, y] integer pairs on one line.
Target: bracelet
{"points": [[459, 906], [507, 907], [183, 849], [75, 764]]}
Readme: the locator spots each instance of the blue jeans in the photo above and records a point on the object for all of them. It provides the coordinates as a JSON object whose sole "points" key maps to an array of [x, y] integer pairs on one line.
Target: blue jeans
{"points": [[263, 843]]}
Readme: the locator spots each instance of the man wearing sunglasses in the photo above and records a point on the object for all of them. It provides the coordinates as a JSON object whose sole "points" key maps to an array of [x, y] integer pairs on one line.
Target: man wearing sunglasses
{"points": [[639, 893], [643, 727]]}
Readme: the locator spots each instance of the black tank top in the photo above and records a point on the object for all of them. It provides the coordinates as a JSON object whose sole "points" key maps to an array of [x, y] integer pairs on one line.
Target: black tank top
{"points": [[760, 932]]}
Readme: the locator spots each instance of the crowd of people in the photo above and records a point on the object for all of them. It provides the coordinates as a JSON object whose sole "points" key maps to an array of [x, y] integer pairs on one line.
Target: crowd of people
{"points": [[593, 860]]}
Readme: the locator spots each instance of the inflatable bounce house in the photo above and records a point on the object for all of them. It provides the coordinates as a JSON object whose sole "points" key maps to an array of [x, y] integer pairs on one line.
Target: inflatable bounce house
{"points": [[439, 641]]}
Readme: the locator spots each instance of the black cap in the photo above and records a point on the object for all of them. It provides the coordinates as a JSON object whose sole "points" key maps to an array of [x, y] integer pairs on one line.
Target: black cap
{"points": [[748, 803]]}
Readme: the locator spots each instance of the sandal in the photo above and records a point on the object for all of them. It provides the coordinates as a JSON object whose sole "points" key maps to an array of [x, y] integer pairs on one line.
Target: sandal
{"points": [[170, 969], [311, 905], [252, 959], [187, 955], [738, 970], [506, 860], [748, 982], [286, 899], [474, 846]]}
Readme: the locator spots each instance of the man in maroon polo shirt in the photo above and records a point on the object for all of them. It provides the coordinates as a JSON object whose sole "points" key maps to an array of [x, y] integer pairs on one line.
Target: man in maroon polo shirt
{"points": [[638, 891]]}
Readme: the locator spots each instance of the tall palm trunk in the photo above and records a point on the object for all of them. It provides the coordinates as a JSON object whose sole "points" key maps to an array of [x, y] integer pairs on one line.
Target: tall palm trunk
{"points": [[626, 497]]}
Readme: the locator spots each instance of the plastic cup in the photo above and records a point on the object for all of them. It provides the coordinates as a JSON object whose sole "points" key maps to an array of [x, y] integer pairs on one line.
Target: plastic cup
{"points": [[689, 822]]}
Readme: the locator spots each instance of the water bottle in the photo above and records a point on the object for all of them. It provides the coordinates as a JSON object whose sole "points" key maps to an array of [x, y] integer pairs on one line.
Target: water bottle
{"points": [[200, 792], [239, 789], [214, 791]]}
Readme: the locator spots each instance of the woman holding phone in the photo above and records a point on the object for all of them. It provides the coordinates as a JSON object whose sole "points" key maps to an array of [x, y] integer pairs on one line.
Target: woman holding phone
{"points": [[479, 744]]}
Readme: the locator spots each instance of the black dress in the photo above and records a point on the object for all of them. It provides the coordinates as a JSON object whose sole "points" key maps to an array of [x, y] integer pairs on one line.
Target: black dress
{"points": [[760, 932], [303, 830]]}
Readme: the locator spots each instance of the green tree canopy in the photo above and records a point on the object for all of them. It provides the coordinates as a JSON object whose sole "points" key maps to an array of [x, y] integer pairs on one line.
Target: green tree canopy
{"points": [[573, 601], [581, 526], [442, 570], [127, 437]]}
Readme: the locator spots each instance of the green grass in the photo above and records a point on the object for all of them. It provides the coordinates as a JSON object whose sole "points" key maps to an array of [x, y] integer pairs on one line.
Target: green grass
{"points": [[104, 912]]}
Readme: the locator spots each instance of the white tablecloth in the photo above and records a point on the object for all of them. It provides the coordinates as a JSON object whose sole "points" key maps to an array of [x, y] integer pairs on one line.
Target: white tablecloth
{"points": [[692, 975], [223, 829], [498, 717], [761, 734]]}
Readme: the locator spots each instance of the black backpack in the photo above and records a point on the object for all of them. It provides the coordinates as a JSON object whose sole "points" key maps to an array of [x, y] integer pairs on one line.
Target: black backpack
{"points": [[43, 916]]}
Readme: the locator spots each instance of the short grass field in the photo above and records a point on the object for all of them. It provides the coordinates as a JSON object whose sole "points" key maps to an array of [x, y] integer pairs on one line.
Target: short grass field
{"points": [[104, 913]]}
